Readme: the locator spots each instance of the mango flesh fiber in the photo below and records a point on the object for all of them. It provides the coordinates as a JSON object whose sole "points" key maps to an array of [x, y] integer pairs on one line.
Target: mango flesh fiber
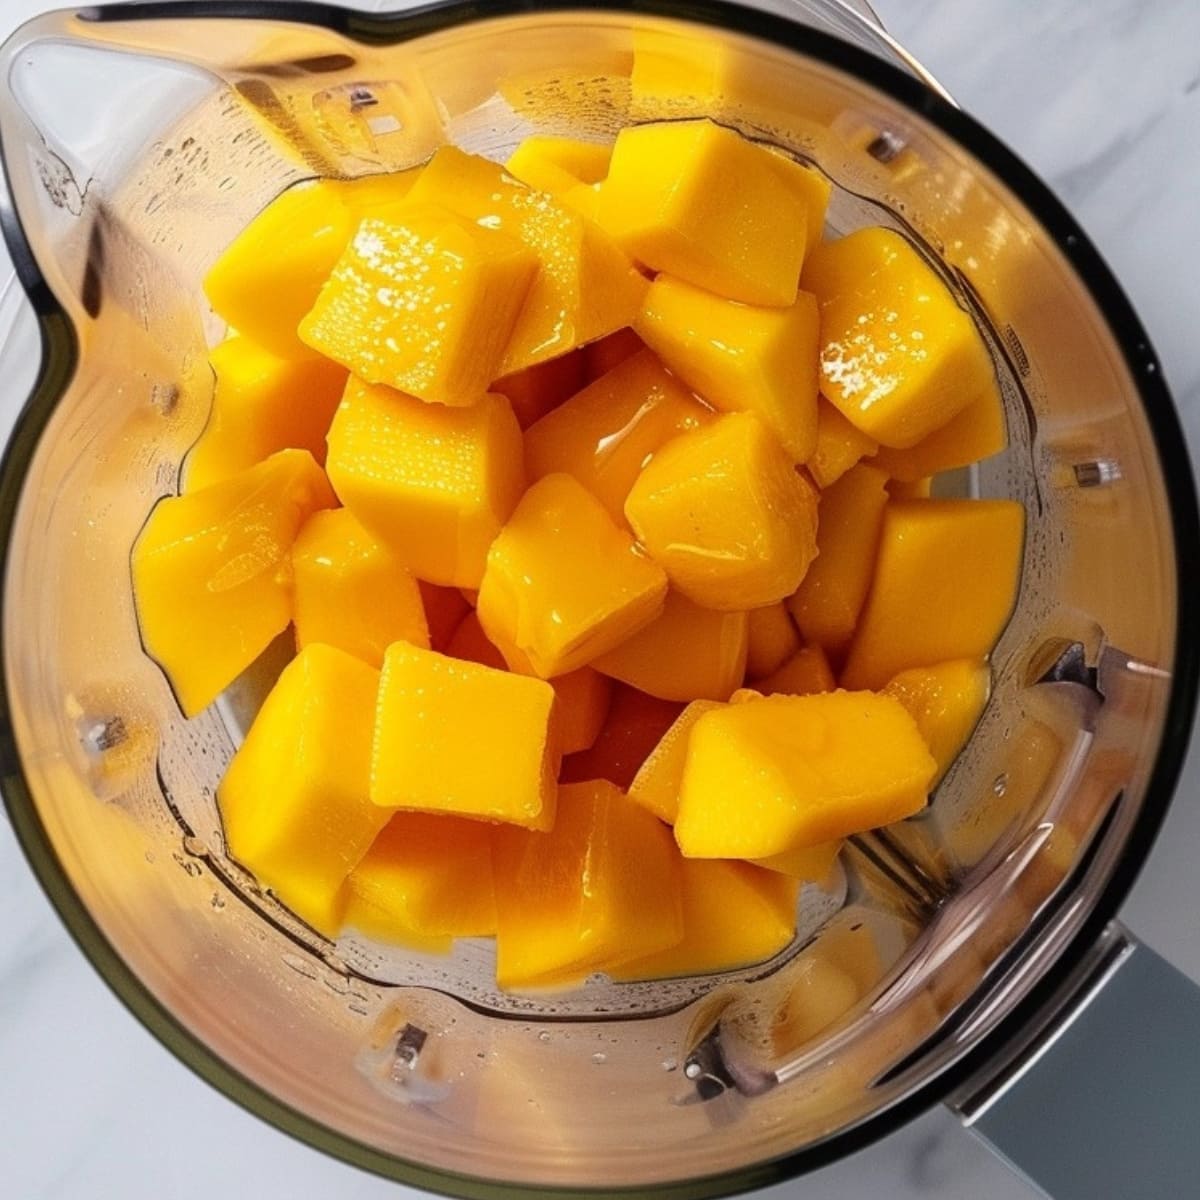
{"points": [[493, 578]]}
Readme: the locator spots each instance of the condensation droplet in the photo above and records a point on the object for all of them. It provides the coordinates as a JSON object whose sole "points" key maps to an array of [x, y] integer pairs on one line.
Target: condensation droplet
{"points": [[544, 1036], [218, 901], [599, 1058], [1000, 785], [670, 1064]]}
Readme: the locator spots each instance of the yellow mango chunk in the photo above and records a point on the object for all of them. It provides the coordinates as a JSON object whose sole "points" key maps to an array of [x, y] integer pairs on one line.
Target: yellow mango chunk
{"points": [[373, 195], [726, 514], [425, 878], [212, 572], [600, 889], [810, 188], [702, 203], [433, 484], [538, 390], [768, 776], [686, 653], [445, 609], [740, 357], [609, 352], [809, 863], [424, 304], [806, 673], [350, 592], [558, 164], [921, 489], [828, 602], [469, 642], [656, 785], [269, 276], [563, 584], [459, 738], [585, 287], [839, 446], [734, 915], [633, 727], [773, 640], [976, 433], [293, 802], [605, 435], [945, 583], [262, 404], [899, 357], [946, 701]]}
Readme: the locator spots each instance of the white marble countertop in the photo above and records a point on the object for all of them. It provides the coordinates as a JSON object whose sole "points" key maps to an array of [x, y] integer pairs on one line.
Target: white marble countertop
{"points": [[1103, 99]]}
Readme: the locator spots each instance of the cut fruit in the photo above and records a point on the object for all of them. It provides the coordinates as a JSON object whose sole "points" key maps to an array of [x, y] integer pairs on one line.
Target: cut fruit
{"points": [[445, 608], [559, 164], [635, 724], [839, 446], [656, 785], [538, 390], [773, 639], [604, 355], [976, 433], [806, 673]]}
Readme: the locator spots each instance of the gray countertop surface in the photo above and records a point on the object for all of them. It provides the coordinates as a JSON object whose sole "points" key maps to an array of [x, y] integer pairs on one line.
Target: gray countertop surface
{"points": [[1101, 98]]}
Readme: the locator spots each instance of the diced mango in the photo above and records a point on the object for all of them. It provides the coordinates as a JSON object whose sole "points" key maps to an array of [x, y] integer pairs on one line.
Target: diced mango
{"points": [[828, 602], [538, 390], [563, 584], [434, 484], [350, 592], [656, 785], [727, 515], [459, 738], [609, 352], [294, 800], [424, 878], [945, 583], [806, 673], [686, 653], [585, 286], [635, 724], [558, 164], [810, 188], [607, 433], [373, 195], [262, 404], [740, 357], [839, 446], [809, 863], [920, 489], [445, 608], [601, 889], [899, 357], [976, 433], [787, 771], [424, 304], [212, 572], [469, 642], [734, 914], [773, 639], [946, 701], [702, 203]]}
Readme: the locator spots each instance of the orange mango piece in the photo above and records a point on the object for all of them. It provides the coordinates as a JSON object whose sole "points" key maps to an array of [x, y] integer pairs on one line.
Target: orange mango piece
{"points": [[773, 639], [828, 601], [262, 404], [656, 785], [294, 801], [702, 203], [585, 287], [946, 579], [686, 653], [350, 592], [212, 572], [538, 390], [558, 164], [899, 357], [563, 584], [607, 353], [602, 888], [811, 190], [839, 446], [921, 489], [740, 357], [976, 433], [469, 642], [459, 738], [806, 673], [607, 433], [725, 513], [635, 724], [775, 774], [445, 609], [946, 701], [809, 863], [424, 304], [433, 484]]}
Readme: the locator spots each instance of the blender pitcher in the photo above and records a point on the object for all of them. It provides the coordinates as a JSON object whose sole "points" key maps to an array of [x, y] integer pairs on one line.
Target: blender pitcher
{"points": [[964, 955]]}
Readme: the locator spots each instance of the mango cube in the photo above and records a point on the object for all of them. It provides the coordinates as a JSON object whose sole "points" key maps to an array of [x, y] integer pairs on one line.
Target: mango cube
{"points": [[839, 446], [262, 404], [772, 639], [445, 610], [212, 572], [811, 190], [433, 484], [605, 435], [424, 304], [809, 863], [946, 701], [702, 203], [584, 288], [424, 879], [607, 353], [459, 738], [946, 579], [806, 673], [656, 785], [294, 801], [740, 357], [899, 357], [634, 725], [775, 774], [686, 653], [558, 164], [725, 513], [350, 592], [540, 389], [976, 433], [563, 584], [600, 889], [827, 603], [470, 643]]}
